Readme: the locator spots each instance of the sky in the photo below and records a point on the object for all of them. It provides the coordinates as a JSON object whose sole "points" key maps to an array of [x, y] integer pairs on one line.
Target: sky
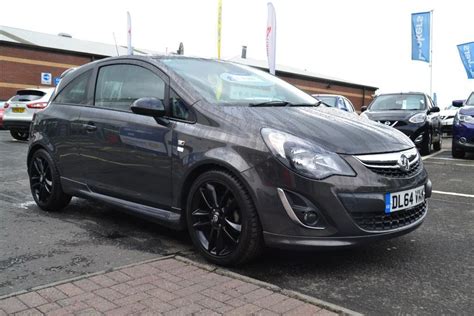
{"points": [[363, 41]]}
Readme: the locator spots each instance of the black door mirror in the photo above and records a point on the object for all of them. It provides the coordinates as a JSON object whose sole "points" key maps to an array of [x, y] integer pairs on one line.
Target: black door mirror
{"points": [[458, 103], [363, 108], [149, 106], [434, 109]]}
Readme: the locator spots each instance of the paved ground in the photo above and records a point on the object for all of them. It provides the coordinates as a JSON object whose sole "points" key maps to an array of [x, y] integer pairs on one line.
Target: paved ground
{"points": [[429, 271], [161, 287]]}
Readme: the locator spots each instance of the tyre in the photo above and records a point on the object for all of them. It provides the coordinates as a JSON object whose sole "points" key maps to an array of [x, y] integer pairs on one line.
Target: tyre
{"points": [[222, 219], [426, 145], [45, 183], [437, 146], [19, 134], [455, 152]]}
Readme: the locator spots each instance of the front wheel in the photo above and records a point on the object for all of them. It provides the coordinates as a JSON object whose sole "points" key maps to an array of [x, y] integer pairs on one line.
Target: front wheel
{"points": [[19, 134], [456, 153], [45, 183], [437, 146], [222, 219], [426, 145]]}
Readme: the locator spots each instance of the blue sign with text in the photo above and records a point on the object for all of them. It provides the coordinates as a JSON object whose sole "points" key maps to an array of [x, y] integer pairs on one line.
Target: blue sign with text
{"points": [[466, 51], [420, 36]]}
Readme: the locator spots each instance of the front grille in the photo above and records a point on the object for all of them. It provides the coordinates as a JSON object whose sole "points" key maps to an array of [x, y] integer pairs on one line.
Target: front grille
{"points": [[378, 221], [397, 173], [393, 165]]}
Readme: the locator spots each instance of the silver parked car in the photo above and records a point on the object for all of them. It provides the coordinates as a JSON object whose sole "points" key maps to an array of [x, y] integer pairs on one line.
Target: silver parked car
{"points": [[336, 101], [19, 110]]}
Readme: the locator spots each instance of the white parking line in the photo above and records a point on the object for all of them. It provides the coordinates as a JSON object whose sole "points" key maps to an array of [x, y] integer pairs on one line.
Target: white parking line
{"points": [[434, 154], [451, 159], [450, 164], [454, 193]]}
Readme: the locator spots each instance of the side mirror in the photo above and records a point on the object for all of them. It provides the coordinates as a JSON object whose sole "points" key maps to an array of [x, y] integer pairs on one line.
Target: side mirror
{"points": [[149, 106], [434, 109], [458, 103], [363, 108]]}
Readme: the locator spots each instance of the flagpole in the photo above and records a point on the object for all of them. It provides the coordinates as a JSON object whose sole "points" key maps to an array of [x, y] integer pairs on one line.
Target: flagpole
{"points": [[219, 27], [431, 53]]}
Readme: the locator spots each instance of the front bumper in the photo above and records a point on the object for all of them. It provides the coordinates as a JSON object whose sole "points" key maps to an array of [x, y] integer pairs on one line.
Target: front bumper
{"points": [[463, 136], [418, 133], [336, 199]]}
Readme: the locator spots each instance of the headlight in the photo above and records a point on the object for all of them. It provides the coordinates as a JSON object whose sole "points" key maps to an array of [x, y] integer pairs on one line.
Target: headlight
{"points": [[303, 157], [465, 118], [418, 118]]}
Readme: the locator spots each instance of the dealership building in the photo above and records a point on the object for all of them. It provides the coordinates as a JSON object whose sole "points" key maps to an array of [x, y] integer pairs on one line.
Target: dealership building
{"points": [[32, 59]]}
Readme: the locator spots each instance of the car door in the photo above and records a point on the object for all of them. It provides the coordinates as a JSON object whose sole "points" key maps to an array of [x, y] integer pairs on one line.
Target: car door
{"points": [[61, 123], [127, 155]]}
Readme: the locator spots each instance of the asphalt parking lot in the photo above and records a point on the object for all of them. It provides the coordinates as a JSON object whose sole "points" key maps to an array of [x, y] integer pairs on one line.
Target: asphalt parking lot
{"points": [[429, 271]]}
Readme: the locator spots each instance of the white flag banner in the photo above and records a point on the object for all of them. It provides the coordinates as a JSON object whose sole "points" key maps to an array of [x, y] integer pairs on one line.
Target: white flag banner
{"points": [[271, 38], [129, 34]]}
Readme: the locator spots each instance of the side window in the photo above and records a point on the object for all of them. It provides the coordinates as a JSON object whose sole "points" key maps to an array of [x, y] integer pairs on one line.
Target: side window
{"points": [[179, 109], [349, 105], [119, 85], [76, 91]]}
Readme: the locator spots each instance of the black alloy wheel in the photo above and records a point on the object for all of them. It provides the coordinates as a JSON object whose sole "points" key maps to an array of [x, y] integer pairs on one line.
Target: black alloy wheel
{"points": [[222, 220], [45, 183], [19, 134], [41, 180]]}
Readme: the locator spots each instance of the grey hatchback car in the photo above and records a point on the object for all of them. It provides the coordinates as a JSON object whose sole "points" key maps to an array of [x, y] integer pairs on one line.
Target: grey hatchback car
{"points": [[238, 157]]}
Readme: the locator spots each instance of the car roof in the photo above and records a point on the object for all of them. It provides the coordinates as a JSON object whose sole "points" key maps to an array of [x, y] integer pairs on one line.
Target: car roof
{"points": [[327, 95]]}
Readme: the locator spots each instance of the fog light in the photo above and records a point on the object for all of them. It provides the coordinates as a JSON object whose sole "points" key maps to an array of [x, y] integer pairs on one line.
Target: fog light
{"points": [[462, 140], [301, 210], [310, 218]]}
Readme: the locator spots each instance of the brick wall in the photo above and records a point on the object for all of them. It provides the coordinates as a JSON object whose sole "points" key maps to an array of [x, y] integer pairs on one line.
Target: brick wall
{"points": [[21, 67]]}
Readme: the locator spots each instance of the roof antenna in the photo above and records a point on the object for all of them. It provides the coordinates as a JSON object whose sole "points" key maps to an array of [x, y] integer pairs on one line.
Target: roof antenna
{"points": [[116, 47]]}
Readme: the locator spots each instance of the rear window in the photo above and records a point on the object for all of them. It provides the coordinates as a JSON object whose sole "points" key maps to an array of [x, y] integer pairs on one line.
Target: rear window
{"points": [[28, 95]]}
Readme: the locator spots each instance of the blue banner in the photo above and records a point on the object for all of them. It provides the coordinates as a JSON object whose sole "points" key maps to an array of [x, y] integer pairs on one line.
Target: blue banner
{"points": [[420, 36], [466, 52]]}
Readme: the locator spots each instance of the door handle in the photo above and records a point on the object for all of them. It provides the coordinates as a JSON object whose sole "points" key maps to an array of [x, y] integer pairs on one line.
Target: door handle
{"points": [[89, 127]]}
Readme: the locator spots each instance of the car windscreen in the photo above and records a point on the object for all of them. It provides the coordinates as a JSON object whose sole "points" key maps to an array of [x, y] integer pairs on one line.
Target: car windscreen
{"points": [[28, 95], [226, 83], [470, 100], [331, 101], [391, 102]]}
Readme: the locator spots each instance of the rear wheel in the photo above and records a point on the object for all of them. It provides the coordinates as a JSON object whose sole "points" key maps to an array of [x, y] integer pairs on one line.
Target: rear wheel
{"points": [[45, 183], [455, 152], [19, 134], [222, 219]]}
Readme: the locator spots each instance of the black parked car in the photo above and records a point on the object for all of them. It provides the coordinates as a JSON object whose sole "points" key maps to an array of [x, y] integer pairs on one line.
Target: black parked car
{"points": [[238, 157], [412, 113]]}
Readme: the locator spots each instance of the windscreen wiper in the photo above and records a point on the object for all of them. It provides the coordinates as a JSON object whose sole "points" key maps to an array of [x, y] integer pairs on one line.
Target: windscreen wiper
{"points": [[321, 102], [271, 103], [281, 103]]}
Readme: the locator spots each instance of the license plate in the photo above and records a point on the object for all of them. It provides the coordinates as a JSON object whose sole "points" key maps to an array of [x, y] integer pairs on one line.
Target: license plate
{"points": [[18, 110], [405, 199]]}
